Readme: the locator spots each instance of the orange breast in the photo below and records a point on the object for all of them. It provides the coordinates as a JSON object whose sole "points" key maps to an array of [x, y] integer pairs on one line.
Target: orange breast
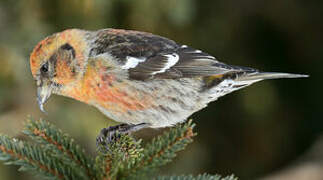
{"points": [[101, 88]]}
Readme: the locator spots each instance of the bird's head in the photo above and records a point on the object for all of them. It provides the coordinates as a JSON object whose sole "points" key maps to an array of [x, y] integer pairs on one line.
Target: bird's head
{"points": [[57, 61]]}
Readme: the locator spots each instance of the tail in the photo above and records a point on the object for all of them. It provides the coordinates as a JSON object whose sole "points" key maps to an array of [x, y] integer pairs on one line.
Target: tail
{"points": [[258, 76], [218, 86]]}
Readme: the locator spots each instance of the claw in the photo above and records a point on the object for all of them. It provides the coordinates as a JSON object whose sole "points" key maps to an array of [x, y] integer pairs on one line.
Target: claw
{"points": [[111, 134]]}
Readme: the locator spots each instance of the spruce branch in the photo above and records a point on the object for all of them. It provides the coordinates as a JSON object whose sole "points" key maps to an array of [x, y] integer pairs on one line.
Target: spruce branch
{"points": [[55, 155], [125, 151], [103, 166], [61, 144], [162, 150], [199, 177], [33, 158]]}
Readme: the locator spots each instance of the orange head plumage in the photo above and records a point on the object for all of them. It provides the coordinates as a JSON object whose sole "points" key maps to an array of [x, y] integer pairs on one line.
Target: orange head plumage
{"points": [[57, 61], [72, 40]]}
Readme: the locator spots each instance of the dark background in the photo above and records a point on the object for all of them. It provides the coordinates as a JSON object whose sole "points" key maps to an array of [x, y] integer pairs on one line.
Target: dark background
{"points": [[253, 133]]}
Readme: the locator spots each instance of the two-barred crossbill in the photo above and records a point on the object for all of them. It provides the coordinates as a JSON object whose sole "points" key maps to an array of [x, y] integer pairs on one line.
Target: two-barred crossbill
{"points": [[136, 78]]}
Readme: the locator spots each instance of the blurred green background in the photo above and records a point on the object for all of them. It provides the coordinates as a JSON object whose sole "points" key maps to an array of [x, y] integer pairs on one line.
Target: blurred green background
{"points": [[252, 133]]}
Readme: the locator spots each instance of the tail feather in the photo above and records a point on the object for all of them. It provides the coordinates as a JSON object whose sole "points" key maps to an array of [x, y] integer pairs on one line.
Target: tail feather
{"points": [[220, 85], [268, 75]]}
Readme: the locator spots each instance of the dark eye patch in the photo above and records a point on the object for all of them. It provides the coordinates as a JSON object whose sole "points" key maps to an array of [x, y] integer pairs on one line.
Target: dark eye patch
{"points": [[68, 47]]}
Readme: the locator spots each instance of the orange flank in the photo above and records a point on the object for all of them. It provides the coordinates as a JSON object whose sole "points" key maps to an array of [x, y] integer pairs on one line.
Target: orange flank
{"points": [[100, 88]]}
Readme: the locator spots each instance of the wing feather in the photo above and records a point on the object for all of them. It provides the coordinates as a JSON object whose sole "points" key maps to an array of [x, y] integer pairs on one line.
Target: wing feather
{"points": [[148, 56], [190, 63]]}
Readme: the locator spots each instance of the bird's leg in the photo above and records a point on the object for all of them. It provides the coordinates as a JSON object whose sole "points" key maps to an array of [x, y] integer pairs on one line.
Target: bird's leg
{"points": [[111, 134]]}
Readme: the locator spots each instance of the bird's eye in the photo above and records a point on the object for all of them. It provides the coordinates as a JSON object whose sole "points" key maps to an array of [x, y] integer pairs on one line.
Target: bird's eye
{"points": [[44, 68]]}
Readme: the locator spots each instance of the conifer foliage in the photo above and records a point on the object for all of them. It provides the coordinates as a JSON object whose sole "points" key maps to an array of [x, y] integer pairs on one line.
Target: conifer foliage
{"points": [[53, 154]]}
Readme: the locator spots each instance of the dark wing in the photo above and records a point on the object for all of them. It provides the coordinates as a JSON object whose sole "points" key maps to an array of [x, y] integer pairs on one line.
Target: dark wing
{"points": [[148, 56], [182, 62], [126, 43]]}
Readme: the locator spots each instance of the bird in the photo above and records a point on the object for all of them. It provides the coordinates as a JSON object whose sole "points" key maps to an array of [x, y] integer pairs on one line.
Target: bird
{"points": [[136, 78]]}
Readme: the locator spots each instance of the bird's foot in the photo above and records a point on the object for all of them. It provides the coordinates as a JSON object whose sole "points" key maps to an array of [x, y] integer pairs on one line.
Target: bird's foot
{"points": [[111, 134]]}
